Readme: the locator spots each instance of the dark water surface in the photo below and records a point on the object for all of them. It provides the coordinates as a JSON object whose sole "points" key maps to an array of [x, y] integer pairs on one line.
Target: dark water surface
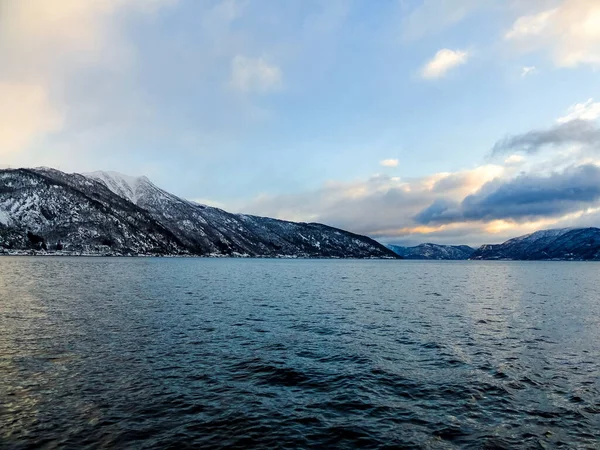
{"points": [[221, 353]]}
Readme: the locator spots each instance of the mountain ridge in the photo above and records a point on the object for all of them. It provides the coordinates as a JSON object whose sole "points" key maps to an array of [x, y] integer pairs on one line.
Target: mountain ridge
{"points": [[577, 244], [431, 251], [45, 209]]}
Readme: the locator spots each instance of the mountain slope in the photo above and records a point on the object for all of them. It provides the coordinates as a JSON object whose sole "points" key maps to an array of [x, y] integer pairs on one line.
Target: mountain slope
{"points": [[559, 244], [209, 230], [106, 212], [77, 214], [433, 251]]}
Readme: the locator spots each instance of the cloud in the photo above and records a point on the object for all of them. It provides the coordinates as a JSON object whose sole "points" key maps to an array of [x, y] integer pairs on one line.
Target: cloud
{"points": [[487, 204], [514, 160], [524, 198], [389, 163], [570, 32], [589, 110], [254, 75], [527, 70], [441, 210], [467, 181], [380, 206], [42, 45], [443, 61], [25, 111], [573, 132], [532, 25]]}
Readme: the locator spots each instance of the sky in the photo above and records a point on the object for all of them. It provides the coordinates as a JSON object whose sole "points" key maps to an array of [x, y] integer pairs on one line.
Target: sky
{"points": [[446, 121]]}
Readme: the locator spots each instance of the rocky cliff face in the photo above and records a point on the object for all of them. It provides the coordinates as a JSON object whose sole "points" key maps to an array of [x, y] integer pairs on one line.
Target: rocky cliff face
{"points": [[109, 213], [433, 251], [560, 244]]}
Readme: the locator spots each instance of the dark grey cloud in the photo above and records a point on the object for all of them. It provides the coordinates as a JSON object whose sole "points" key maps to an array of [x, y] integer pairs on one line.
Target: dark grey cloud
{"points": [[525, 197], [572, 132], [440, 210]]}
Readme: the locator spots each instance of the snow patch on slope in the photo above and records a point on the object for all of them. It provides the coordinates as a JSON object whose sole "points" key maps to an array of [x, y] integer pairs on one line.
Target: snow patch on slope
{"points": [[124, 186], [4, 217], [542, 234]]}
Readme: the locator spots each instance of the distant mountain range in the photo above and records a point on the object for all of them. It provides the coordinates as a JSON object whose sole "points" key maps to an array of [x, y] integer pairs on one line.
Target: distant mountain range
{"points": [[579, 244], [45, 210], [433, 251]]}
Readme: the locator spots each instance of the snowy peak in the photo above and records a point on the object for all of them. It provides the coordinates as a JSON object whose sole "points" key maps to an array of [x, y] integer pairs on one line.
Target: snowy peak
{"points": [[126, 186], [138, 190]]}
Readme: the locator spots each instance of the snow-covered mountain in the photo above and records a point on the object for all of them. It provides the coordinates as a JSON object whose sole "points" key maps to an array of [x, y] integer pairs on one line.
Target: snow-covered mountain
{"points": [[47, 208], [556, 244], [433, 251], [107, 212]]}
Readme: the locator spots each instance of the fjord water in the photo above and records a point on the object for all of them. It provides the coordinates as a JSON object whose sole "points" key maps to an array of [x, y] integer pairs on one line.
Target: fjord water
{"points": [[231, 353]]}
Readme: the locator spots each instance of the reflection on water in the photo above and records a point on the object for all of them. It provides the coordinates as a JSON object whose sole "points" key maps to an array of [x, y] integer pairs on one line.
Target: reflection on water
{"points": [[205, 353]]}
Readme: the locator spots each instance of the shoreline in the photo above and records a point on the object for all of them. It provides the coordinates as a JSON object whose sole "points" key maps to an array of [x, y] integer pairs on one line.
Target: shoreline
{"points": [[143, 255]]}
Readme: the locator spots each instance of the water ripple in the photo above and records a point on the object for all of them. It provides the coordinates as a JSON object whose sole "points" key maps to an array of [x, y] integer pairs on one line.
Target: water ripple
{"points": [[198, 353]]}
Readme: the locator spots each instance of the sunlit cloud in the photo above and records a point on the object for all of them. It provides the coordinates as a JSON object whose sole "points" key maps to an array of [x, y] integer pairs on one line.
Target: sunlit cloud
{"points": [[466, 182], [25, 112], [532, 25], [514, 160], [43, 44], [380, 206], [389, 163], [524, 198], [589, 110], [444, 61], [570, 32]]}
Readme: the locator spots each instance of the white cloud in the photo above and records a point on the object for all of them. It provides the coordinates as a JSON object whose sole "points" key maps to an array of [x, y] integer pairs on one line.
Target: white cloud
{"points": [[514, 160], [443, 61], [532, 25], [569, 32], [254, 75], [389, 163], [589, 110], [527, 70]]}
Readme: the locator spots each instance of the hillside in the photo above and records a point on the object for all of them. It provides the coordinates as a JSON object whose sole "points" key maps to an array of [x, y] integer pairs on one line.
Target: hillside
{"points": [[110, 213]]}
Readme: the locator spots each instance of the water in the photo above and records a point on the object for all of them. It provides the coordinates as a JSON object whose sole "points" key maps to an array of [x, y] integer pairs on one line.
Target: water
{"points": [[214, 353]]}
